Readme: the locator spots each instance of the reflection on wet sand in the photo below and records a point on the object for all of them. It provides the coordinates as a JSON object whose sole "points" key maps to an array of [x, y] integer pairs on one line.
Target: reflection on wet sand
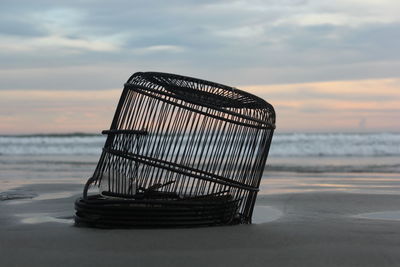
{"points": [[375, 183]]}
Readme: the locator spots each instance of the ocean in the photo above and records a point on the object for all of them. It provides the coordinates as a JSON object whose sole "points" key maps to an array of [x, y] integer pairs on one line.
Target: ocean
{"points": [[356, 162]]}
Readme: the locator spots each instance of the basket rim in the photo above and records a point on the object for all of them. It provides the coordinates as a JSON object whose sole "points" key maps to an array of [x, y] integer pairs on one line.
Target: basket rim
{"points": [[249, 101]]}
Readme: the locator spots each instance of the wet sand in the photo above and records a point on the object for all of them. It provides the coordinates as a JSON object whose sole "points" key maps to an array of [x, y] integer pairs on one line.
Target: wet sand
{"points": [[299, 229]]}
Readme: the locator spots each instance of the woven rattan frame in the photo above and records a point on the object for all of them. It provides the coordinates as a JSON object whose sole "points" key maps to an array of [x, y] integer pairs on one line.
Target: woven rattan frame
{"points": [[188, 138]]}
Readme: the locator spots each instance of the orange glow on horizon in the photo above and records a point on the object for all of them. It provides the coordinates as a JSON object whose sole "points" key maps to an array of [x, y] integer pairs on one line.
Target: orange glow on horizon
{"points": [[341, 106]]}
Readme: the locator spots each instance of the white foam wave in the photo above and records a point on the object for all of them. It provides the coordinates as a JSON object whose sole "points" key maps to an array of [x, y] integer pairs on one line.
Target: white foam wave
{"points": [[336, 144], [51, 145], [285, 145]]}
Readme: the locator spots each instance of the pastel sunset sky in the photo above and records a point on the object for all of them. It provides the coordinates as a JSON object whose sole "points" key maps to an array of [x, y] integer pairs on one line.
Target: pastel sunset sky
{"points": [[324, 65]]}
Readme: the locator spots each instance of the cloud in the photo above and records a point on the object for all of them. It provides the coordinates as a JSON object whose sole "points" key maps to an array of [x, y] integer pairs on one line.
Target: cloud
{"points": [[159, 49], [55, 43], [233, 42], [19, 27]]}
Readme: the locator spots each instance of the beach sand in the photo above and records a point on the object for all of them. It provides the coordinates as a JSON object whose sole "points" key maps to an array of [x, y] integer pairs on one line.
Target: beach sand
{"points": [[317, 228]]}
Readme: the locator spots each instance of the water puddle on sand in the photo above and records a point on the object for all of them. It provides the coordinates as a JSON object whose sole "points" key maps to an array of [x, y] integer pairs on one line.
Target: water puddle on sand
{"points": [[16, 194], [43, 196], [34, 218], [264, 214], [57, 195], [382, 215]]}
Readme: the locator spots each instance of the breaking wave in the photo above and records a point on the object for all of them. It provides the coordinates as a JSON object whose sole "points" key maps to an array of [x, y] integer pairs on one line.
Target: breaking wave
{"points": [[283, 145]]}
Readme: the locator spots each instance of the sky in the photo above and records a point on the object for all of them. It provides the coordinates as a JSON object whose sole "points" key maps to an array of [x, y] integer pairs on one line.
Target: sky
{"points": [[324, 65]]}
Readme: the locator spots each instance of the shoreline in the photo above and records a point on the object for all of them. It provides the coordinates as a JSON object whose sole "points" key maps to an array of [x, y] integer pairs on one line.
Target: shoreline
{"points": [[312, 229]]}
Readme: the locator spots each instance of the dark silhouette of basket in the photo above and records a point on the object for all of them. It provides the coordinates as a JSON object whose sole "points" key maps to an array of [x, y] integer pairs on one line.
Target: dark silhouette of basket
{"points": [[180, 152]]}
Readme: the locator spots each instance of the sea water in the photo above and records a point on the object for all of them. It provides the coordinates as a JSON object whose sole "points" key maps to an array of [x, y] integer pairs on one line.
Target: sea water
{"points": [[356, 162], [283, 144]]}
